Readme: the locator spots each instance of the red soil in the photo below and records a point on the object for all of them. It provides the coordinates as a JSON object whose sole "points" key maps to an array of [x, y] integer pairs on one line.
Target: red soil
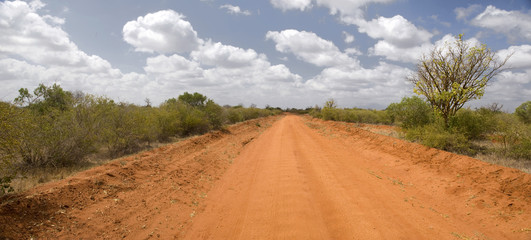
{"points": [[300, 179]]}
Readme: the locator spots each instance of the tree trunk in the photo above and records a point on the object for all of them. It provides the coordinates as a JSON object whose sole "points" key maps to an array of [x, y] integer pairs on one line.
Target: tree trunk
{"points": [[446, 125]]}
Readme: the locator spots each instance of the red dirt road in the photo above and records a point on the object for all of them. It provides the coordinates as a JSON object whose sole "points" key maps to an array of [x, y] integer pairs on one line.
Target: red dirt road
{"points": [[300, 178], [294, 183]]}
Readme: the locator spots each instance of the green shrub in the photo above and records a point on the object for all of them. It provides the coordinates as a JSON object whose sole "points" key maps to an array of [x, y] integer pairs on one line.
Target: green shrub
{"points": [[239, 113], [328, 113], [194, 100], [147, 124], [316, 112], [11, 124], [122, 132], [331, 112], [411, 112], [472, 124], [60, 127], [168, 122], [435, 135], [193, 121], [364, 116], [55, 140], [234, 114], [514, 136], [522, 149], [252, 113], [489, 116], [182, 118], [524, 112], [45, 98], [56, 128], [215, 114]]}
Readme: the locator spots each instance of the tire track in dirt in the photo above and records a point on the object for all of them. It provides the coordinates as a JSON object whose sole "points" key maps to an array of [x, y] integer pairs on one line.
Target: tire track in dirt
{"points": [[294, 182]]}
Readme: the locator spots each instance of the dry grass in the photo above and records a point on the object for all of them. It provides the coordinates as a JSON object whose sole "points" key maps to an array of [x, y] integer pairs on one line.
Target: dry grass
{"points": [[385, 132], [490, 157], [521, 164], [493, 155], [32, 177]]}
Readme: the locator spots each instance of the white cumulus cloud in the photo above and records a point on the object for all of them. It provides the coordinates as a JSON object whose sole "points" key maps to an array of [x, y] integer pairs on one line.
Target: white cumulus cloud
{"points": [[514, 24], [353, 51], [236, 10], [397, 31], [164, 31], [509, 88], [349, 11], [285, 5], [172, 64], [348, 38], [400, 40], [29, 36], [309, 47], [217, 54], [520, 56], [462, 13], [363, 87], [392, 52]]}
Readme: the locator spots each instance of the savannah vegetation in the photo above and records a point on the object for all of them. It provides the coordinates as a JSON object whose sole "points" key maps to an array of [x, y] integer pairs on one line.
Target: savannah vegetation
{"points": [[446, 79], [486, 133], [50, 129]]}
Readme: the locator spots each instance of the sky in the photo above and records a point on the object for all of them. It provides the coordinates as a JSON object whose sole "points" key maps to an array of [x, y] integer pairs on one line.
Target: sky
{"points": [[281, 53]]}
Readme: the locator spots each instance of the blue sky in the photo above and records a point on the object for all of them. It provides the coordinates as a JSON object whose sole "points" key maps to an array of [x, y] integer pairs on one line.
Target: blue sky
{"points": [[295, 53]]}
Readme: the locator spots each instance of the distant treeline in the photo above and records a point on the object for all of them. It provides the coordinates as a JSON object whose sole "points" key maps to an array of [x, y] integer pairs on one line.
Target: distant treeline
{"points": [[51, 127]]}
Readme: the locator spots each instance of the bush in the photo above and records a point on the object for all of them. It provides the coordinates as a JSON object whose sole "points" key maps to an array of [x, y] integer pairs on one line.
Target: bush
{"points": [[193, 121], [251, 113], [194, 100], [522, 149], [410, 112], [56, 128], [472, 124], [59, 129], [328, 113], [366, 116], [168, 121], [215, 114], [239, 113], [524, 112], [11, 124], [514, 136], [125, 128], [234, 114], [54, 139], [331, 112], [436, 136], [467, 125], [315, 112], [147, 126]]}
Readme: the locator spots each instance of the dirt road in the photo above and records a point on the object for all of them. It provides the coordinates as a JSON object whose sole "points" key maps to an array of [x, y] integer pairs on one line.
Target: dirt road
{"points": [[281, 178]]}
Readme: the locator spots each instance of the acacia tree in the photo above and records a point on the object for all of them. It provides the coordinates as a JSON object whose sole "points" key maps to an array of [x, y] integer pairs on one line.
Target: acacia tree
{"points": [[453, 74]]}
